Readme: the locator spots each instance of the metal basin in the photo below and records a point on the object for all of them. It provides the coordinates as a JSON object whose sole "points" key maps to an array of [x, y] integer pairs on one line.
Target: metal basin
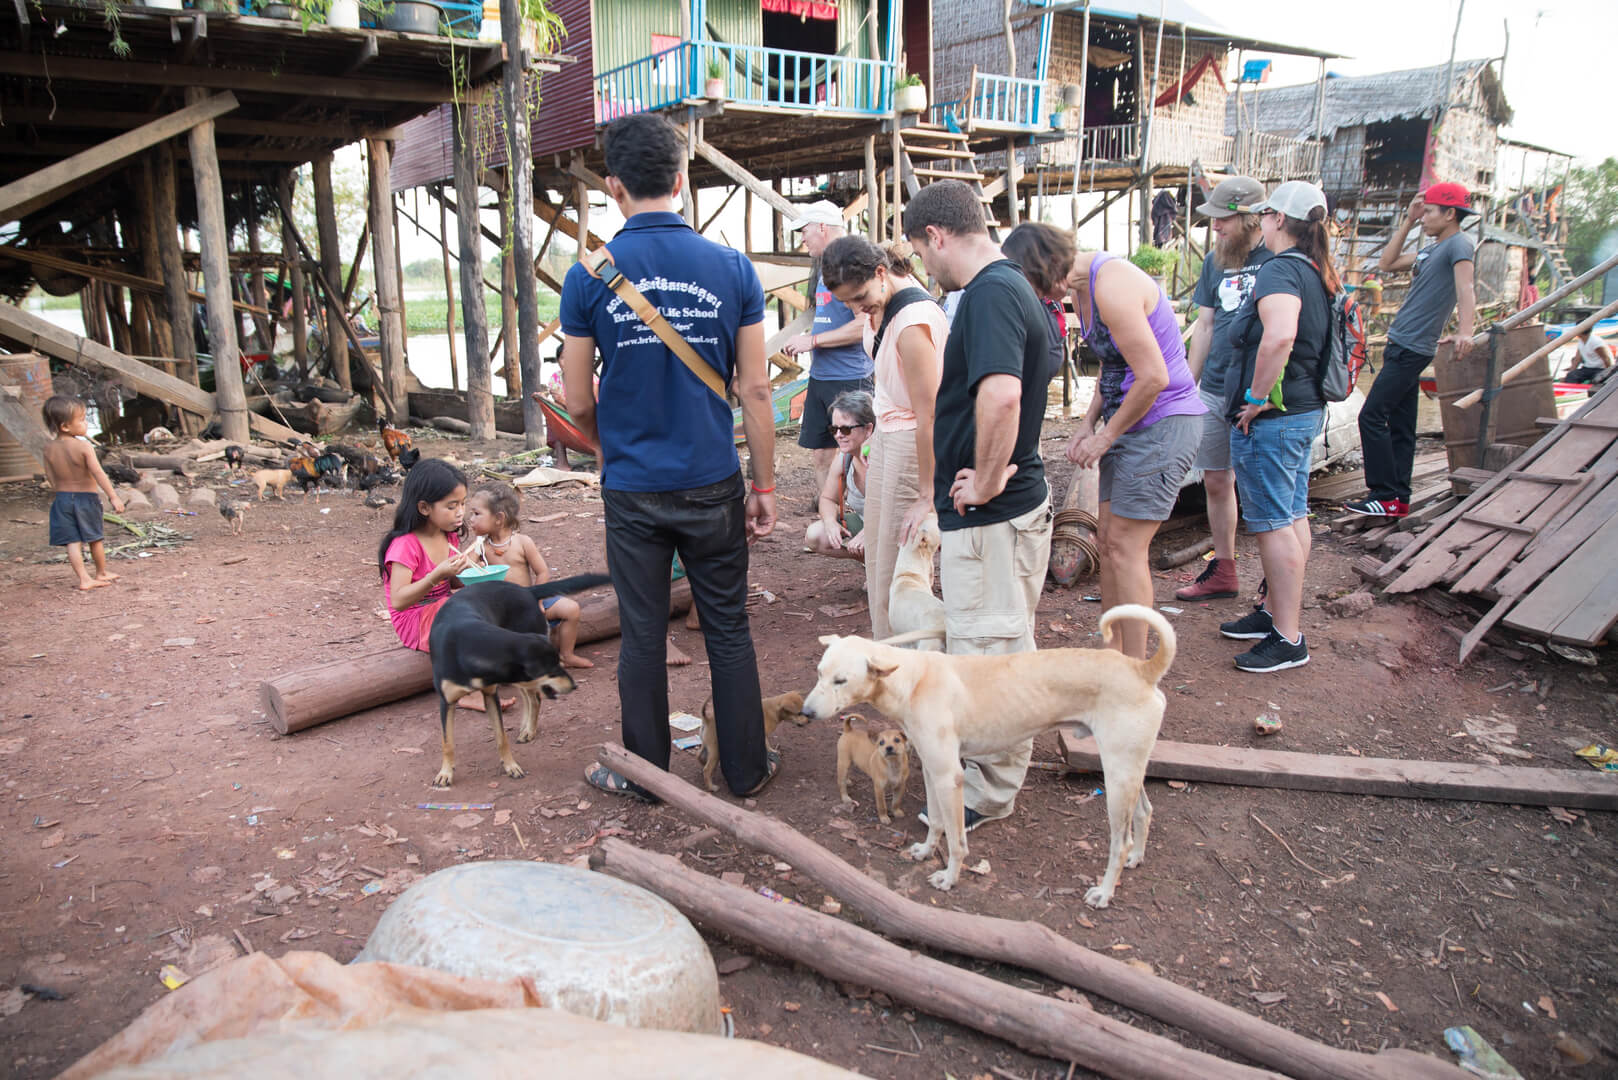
{"points": [[413, 17], [592, 945]]}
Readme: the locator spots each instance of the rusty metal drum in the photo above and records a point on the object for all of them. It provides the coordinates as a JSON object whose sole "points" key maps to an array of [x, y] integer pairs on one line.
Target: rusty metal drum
{"points": [[592, 945]]}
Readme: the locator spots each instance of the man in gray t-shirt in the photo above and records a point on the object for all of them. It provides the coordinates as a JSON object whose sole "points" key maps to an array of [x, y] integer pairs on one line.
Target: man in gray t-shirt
{"points": [[1441, 282]]}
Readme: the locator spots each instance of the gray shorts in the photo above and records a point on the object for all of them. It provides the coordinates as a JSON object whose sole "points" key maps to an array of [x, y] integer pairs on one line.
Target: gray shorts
{"points": [[1141, 474], [1214, 452]]}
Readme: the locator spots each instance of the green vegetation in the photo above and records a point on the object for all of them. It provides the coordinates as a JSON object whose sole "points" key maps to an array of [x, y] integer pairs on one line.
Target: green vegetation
{"points": [[426, 314], [1590, 207], [1154, 260]]}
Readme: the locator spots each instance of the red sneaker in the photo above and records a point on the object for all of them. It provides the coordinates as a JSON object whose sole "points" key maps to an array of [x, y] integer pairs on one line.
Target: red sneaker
{"points": [[1216, 582]]}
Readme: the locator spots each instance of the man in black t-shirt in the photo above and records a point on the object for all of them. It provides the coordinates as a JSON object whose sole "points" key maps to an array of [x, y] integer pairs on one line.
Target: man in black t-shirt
{"points": [[989, 482]]}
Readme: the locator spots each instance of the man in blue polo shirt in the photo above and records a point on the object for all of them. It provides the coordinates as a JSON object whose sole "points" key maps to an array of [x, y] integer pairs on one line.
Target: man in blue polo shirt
{"points": [[671, 481], [837, 340]]}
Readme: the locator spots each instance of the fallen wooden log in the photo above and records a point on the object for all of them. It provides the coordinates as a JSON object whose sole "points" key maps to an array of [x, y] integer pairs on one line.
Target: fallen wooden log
{"points": [[302, 699], [847, 953], [1171, 559], [1363, 776], [174, 463], [1030, 945]]}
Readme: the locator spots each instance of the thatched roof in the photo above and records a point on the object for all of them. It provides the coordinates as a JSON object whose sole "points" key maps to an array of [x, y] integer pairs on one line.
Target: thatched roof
{"points": [[1368, 99]]}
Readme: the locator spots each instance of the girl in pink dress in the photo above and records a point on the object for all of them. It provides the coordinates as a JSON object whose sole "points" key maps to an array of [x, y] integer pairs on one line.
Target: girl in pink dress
{"points": [[419, 558]]}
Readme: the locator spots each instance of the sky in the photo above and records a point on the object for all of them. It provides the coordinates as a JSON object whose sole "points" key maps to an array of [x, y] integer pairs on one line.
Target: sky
{"points": [[1558, 66]]}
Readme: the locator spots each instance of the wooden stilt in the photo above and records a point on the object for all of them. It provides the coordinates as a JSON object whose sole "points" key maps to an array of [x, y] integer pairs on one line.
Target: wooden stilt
{"points": [[385, 271], [331, 265], [255, 281], [873, 222], [449, 294], [176, 290], [581, 202], [398, 273], [160, 333], [1013, 179], [118, 318], [519, 198], [359, 260], [479, 401], [510, 335], [747, 223], [231, 397], [294, 262]]}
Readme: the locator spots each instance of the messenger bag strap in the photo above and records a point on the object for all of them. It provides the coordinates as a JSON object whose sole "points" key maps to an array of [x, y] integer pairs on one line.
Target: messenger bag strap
{"points": [[599, 264]]}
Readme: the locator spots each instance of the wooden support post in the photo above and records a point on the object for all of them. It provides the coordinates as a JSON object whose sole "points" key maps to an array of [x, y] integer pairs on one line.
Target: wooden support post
{"points": [[747, 222], [165, 196], [518, 199], [398, 269], [581, 203], [255, 278], [331, 266], [117, 317], [354, 267], [449, 294], [146, 223], [215, 243], [510, 337], [385, 271], [873, 222], [479, 401], [299, 290]]}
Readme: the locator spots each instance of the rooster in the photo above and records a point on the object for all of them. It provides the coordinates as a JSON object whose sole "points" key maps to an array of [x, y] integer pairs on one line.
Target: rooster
{"points": [[310, 471], [376, 500], [394, 441], [235, 513], [234, 457]]}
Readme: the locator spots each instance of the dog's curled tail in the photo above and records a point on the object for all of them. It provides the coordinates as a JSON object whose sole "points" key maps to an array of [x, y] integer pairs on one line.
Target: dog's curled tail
{"points": [[1153, 667], [848, 723]]}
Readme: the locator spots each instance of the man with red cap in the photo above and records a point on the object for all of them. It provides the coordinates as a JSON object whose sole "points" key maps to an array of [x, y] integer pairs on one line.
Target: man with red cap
{"points": [[1441, 280]]}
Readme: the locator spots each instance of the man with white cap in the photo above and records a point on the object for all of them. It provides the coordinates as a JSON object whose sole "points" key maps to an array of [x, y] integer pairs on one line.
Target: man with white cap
{"points": [[1228, 276], [837, 340]]}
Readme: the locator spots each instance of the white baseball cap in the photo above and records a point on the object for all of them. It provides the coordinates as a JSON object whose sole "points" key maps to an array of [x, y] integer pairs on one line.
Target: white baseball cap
{"points": [[821, 212], [1295, 198]]}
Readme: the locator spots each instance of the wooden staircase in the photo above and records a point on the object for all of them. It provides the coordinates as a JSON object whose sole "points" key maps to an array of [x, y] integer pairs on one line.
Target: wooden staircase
{"points": [[1548, 235], [930, 152]]}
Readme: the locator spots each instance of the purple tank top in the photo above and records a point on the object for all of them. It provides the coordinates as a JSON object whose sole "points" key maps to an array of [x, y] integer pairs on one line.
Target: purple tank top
{"points": [[1179, 397]]}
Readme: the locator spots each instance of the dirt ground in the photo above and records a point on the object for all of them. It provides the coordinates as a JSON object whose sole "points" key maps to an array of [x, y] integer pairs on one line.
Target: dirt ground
{"points": [[150, 813]]}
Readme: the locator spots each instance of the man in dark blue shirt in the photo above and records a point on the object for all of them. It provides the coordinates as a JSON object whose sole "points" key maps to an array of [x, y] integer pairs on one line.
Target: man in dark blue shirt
{"points": [[671, 481]]}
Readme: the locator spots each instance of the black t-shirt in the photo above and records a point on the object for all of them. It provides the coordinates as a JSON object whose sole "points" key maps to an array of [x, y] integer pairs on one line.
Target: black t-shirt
{"points": [[1225, 291], [1000, 328], [1289, 274]]}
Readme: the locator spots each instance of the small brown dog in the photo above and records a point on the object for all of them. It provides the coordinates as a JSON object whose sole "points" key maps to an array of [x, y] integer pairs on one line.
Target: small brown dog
{"points": [[885, 759], [273, 478], [777, 708]]}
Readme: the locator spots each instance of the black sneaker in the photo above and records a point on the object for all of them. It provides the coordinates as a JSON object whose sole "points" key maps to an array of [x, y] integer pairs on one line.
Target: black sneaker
{"points": [[973, 818], [1274, 653], [1256, 625]]}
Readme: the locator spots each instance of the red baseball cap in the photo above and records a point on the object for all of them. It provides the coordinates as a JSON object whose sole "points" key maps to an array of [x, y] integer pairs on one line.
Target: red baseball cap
{"points": [[1448, 194]]}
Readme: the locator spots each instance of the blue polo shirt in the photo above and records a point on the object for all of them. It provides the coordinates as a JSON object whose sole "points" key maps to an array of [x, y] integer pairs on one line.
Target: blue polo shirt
{"points": [[837, 362], [661, 428]]}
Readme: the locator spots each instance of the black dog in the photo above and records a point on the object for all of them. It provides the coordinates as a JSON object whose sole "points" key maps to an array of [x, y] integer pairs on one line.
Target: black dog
{"points": [[490, 634]]}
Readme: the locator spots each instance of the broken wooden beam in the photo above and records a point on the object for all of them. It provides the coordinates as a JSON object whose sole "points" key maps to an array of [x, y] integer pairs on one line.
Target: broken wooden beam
{"points": [[844, 952], [1360, 775], [102, 273], [46, 337], [1026, 944]]}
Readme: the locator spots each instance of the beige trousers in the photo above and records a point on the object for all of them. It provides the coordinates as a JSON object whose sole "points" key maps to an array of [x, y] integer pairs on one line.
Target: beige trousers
{"points": [[890, 490], [992, 577]]}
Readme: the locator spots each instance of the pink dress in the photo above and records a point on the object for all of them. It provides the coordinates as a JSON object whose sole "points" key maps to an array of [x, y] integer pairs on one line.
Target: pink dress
{"points": [[413, 623]]}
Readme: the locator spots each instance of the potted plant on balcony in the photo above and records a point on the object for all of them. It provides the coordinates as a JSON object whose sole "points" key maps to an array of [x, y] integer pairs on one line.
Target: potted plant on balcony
{"points": [[909, 95], [1057, 115], [1156, 262], [714, 89]]}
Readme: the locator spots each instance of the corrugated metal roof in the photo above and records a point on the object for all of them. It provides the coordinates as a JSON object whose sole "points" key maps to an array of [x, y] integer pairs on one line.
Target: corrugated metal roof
{"points": [[1177, 13], [1366, 99]]}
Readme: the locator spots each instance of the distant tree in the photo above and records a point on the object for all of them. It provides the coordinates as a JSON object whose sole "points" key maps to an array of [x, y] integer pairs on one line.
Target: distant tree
{"points": [[1590, 206]]}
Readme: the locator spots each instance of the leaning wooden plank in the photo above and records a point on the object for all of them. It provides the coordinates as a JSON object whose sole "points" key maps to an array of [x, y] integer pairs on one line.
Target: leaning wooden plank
{"points": [[721, 161], [1026, 944], [302, 699], [1553, 548], [24, 424], [1578, 578], [844, 952], [1473, 637], [20, 194], [1594, 614], [1362, 776], [46, 337]]}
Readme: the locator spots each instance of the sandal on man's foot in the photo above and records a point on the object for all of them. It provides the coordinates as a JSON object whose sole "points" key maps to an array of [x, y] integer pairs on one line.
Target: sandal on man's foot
{"points": [[774, 761], [604, 779]]}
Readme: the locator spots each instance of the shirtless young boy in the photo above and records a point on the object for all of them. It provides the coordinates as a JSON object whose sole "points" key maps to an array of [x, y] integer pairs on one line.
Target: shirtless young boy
{"points": [[75, 475], [492, 512]]}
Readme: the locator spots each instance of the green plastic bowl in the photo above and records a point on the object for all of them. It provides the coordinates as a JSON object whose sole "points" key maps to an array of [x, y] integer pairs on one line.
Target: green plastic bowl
{"points": [[472, 575]]}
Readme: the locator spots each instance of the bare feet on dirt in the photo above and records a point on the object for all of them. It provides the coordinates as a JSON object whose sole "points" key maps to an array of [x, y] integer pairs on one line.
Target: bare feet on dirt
{"points": [[677, 655], [574, 660], [691, 620], [475, 703], [94, 583]]}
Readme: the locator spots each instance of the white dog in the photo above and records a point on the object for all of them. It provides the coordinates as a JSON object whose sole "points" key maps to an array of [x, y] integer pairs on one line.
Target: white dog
{"points": [[974, 705], [912, 607]]}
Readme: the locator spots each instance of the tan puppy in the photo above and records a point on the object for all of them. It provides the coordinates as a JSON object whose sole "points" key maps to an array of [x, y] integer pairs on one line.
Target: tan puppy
{"points": [[972, 705], [274, 478], [885, 759], [777, 708], [912, 607]]}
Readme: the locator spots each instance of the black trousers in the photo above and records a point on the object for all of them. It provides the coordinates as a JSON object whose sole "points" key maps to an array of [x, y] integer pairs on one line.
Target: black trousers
{"points": [[707, 526], [1388, 423]]}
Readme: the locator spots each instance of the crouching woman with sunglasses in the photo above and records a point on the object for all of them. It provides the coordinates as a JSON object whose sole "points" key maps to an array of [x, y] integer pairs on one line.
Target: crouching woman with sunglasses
{"points": [[839, 531]]}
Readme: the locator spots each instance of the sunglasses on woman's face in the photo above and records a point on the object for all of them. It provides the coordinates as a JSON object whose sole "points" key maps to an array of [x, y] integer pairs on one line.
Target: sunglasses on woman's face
{"points": [[845, 429]]}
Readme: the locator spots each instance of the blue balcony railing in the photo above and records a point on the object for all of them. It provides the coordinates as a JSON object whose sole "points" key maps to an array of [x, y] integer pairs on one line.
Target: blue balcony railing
{"points": [[751, 75], [1003, 101]]}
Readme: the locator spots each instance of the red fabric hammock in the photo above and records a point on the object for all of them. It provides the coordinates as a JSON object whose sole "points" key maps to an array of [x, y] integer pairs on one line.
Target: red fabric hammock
{"points": [[1177, 92], [803, 9]]}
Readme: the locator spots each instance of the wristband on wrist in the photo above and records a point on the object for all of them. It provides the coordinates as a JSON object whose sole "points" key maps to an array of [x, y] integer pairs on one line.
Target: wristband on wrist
{"points": [[814, 341], [762, 491], [1248, 396]]}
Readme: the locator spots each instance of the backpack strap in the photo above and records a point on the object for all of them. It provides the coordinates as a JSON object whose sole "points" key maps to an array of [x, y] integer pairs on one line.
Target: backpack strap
{"points": [[913, 294], [599, 264]]}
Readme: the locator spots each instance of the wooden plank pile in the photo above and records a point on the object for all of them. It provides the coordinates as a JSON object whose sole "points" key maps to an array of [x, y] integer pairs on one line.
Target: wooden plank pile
{"points": [[1535, 539], [1430, 498]]}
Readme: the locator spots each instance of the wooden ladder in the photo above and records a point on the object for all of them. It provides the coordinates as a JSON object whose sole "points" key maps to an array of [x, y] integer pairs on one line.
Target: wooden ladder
{"points": [[1555, 254], [945, 155]]}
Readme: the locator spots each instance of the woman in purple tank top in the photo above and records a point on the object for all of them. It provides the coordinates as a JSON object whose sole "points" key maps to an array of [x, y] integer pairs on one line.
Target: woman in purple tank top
{"points": [[1143, 426]]}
